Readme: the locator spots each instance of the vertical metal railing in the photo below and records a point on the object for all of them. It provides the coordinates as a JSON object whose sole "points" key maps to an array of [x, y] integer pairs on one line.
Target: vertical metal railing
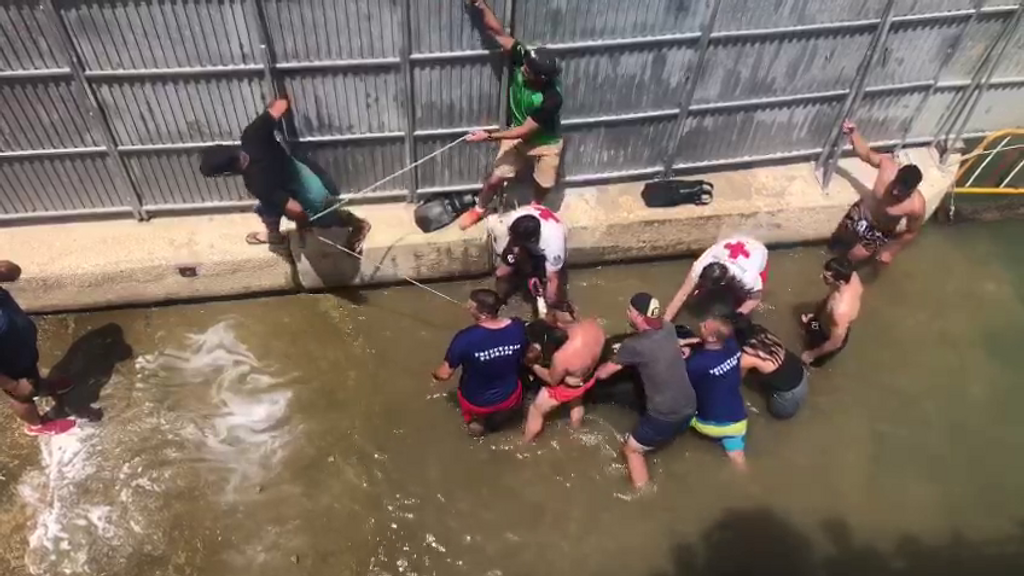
{"points": [[832, 150], [1006, 39], [410, 99], [509, 21], [256, 14], [127, 189], [946, 59], [672, 149]]}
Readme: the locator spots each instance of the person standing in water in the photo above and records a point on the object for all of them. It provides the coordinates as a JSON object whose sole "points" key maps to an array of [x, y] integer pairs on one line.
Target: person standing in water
{"points": [[19, 363], [670, 400], [535, 101], [713, 365], [284, 186], [572, 370], [827, 330], [736, 267], [780, 371], [490, 353], [869, 228]]}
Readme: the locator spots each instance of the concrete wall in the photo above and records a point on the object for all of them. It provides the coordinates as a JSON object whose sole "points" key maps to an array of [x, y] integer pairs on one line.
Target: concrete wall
{"points": [[88, 265]]}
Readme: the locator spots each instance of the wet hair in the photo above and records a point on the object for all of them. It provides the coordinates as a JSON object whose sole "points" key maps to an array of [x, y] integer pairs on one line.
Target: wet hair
{"points": [[9, 271], [524, 231], [839, 268], [757, 340], [486, 301], [219, 159], [906, 181], [716, 285]]}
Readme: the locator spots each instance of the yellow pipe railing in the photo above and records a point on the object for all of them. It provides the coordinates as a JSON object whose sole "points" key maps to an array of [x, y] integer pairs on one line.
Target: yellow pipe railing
{"points": [[1012, 136]]}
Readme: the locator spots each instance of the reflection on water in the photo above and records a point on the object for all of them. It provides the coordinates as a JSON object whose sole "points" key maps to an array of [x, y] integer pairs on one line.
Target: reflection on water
{"points": [[303, 435]]}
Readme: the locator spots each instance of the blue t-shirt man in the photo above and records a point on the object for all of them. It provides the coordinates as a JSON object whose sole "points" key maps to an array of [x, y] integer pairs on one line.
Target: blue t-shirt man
{"points": [[716, 378], [490, 359]]}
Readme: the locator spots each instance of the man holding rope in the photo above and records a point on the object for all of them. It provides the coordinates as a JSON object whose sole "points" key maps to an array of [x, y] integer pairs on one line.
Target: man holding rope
{"points": [[535, 101], [869, 228], [284, 186]]}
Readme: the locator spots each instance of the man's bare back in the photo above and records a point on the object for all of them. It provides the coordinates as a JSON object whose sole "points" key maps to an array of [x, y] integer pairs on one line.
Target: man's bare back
{"points": [[581, 353], [843, 304]]}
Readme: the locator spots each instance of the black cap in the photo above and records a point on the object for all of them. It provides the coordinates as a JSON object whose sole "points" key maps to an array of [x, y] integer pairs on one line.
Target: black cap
{"points": [[541, 62], [219, 159], [648, 307]]}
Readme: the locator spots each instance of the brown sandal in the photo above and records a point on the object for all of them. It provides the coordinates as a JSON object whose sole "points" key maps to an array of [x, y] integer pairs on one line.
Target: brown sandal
{"points": [[253, 239]]}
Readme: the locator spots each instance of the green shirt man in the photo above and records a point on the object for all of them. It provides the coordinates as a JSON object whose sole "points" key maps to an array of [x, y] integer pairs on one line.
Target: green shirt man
{"points": [[535, 135]]}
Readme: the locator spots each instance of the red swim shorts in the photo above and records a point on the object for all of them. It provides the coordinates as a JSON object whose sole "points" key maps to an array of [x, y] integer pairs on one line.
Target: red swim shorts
{"points": [[563, 393], [471, 412]]}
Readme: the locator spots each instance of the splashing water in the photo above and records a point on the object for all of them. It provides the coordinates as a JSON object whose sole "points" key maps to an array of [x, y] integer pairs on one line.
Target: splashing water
{"points": [[208, 416]]}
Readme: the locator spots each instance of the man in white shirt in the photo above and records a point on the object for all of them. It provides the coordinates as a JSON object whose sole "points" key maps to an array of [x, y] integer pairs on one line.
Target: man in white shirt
{"points": [[534, 255], [738, 265]]}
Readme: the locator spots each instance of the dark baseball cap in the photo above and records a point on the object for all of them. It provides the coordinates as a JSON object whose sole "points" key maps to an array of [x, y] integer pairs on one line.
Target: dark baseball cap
{"points": [[648, 307], [542, 62]]}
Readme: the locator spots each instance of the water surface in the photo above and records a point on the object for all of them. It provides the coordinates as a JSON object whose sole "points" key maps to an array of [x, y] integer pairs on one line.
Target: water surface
{"points": [[303, 435]]}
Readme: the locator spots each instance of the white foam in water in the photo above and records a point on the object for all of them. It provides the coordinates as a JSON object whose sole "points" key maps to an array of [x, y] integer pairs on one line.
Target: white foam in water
{"points": [[99, 494]]}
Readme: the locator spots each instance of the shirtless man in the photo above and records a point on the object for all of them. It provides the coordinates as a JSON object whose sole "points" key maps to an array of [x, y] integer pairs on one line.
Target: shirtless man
{"points": [[572, 370], [828, 329], [870, 226], [735, 267]]}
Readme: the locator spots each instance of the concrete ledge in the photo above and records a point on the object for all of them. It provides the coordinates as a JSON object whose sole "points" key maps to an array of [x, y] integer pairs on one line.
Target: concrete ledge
{"points": [[89, 265], [97, 264]]}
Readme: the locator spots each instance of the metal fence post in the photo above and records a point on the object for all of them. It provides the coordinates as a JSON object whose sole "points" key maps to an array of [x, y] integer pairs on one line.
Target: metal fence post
{"points": [[97, 119], [950, 54], [508, 18], [1011, 26], [671, 151], [273, 86], [832, 150], [410, 99]]}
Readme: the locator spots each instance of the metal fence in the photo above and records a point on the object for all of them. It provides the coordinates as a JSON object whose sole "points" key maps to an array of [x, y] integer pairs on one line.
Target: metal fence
{"points": [[104, 104]]}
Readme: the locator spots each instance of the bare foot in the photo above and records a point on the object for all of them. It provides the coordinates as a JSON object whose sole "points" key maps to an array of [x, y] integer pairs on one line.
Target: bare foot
{"points": [[475, 429], [358, 236]]}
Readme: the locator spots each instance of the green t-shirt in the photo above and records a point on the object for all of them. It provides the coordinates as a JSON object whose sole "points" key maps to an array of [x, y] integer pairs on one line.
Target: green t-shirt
{"points": [[544, 104]]}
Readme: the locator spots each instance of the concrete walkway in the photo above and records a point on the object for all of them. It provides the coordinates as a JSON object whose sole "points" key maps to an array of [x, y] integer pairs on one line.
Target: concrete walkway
{"points": [[97, 264]]}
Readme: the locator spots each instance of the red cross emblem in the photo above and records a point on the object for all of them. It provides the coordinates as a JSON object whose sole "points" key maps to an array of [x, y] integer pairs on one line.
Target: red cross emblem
{"points": [[737, 249], [545, 213]]}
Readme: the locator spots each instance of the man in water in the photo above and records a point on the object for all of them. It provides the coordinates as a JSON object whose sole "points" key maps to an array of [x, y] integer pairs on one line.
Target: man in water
{"points": [[490, 353], [713, 366], [870, 226], [534, 257], [736, 267], [827, 331], [19, 363], [572, 369], [535, 137], [284, 186], [671, 403]]}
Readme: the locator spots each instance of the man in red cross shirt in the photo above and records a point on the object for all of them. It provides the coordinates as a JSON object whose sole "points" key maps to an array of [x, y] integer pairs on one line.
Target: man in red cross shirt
{"points": [[534, 254], [736, 265]]}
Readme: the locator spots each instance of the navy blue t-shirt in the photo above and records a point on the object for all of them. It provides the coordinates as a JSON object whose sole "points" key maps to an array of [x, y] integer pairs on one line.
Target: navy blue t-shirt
{"points": [[490, 360], [18, 352], [716, 378]]}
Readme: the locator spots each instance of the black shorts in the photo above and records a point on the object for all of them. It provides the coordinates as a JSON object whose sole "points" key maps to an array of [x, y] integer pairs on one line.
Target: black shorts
{"points": [[816, 334]]}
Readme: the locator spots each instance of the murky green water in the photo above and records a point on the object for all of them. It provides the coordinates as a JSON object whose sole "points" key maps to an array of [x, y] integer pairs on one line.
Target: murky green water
{"points": [[303, 435]]}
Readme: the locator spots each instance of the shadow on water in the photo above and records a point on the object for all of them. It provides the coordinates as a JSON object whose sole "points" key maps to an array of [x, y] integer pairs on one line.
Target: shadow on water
{"points": [[760, 542], [90, 363]]}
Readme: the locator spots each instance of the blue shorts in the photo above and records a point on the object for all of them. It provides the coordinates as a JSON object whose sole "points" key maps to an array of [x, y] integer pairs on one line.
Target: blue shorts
{"points": [[651, 433]]}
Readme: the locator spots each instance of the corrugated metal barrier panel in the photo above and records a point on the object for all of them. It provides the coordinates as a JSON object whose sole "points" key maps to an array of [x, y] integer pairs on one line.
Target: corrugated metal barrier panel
{"points": [[106, 104]]}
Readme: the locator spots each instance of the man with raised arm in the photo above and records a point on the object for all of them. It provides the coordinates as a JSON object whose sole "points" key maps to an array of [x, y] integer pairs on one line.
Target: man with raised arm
{"points": [[535, 136], [871, 226]]}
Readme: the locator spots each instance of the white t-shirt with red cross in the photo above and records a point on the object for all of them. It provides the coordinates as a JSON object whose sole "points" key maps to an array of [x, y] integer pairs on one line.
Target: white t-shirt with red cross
{"points": [[746, 259], [552, 234]]}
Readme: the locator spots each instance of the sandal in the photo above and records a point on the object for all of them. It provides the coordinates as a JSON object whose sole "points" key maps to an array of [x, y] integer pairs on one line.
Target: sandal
{"points": [[255, 239]]}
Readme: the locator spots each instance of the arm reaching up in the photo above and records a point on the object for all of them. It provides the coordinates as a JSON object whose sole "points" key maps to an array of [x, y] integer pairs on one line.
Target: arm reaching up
{"points": [[493, 25]]}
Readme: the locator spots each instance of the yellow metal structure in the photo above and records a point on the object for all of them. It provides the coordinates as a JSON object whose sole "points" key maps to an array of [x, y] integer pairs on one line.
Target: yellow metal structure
{"points": [[996, 166]]}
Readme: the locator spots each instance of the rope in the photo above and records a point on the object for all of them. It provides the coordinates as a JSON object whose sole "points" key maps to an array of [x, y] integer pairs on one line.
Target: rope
{"points": [[406, 278], [379, 182]]}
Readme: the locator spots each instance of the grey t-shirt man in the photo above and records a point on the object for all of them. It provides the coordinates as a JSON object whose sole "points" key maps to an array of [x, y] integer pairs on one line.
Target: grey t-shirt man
{"points": [[655, 354]]}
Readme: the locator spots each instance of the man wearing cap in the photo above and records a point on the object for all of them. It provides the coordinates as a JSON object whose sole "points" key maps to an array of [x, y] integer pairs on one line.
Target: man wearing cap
{"points": [[284, 186], [534, 257], [671, 403], [535, 101]]}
